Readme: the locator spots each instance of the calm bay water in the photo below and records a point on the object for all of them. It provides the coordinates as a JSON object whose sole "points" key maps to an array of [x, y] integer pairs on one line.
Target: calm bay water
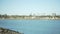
{"points": [[32, 26]]}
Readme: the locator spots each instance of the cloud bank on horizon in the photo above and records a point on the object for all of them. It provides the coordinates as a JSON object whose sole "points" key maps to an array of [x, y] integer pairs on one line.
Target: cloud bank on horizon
{"points": [[25, 7]]}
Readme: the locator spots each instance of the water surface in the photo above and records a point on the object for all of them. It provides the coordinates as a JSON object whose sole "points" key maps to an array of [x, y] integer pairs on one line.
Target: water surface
{"points": [[32, 26]]}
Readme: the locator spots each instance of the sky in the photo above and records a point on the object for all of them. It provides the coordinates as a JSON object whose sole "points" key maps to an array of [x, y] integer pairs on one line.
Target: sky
{"points": [[27, 7]]}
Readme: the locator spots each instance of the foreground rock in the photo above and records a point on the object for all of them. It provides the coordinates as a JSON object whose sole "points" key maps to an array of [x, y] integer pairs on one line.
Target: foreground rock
{"points": [[7, 31]]}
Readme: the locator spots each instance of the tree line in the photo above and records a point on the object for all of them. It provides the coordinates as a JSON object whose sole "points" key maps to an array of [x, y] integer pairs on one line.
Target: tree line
{"points": [[3, 16]]}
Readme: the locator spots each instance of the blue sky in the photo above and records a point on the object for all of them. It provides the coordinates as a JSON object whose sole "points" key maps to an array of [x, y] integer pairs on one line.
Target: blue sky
{"points": [[26, 7]]}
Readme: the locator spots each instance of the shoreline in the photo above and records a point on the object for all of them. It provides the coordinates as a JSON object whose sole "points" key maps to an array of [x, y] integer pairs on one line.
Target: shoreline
{"points": [[31, 19]]}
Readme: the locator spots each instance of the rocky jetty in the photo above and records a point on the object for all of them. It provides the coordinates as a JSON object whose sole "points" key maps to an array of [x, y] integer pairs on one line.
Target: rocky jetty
{"points": [[7, 31]]}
